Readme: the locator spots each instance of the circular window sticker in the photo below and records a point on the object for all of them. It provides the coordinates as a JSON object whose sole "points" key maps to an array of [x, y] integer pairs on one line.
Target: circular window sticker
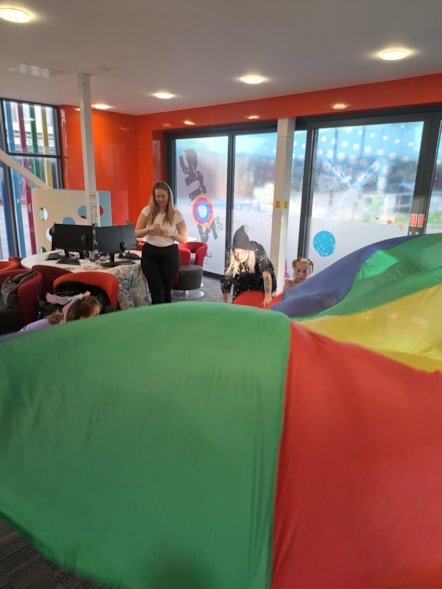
{"points": [[324, 243], [202, 210]]}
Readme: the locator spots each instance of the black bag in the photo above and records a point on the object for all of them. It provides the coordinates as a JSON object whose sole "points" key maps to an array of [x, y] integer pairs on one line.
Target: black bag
{"points": [[9, 289]]}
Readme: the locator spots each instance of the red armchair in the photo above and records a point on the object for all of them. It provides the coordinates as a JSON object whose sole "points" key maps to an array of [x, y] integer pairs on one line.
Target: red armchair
{"points": [[190, 274], [6, 265], [105, 280], [13, 319], [49, 274]]}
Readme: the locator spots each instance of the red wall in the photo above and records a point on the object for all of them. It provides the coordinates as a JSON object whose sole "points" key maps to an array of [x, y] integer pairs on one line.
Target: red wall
{"points": [[129, 150], [115, 138]]}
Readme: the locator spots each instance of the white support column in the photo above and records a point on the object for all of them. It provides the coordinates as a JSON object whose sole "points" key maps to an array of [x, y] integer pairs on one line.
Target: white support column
{"points": [[281, 196], [92, 203]]}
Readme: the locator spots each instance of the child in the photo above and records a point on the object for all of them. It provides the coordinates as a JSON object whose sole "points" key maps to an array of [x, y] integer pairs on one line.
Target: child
{"points": [[302, 269], [80, 306]]}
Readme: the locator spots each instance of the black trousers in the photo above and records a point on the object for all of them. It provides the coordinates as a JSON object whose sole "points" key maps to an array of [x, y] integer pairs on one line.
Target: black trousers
{"points": [[160, 266]]}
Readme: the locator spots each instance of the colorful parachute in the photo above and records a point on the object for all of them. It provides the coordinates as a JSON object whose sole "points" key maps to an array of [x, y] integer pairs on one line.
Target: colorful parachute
{"points": [[385, 296], [212, 446]]}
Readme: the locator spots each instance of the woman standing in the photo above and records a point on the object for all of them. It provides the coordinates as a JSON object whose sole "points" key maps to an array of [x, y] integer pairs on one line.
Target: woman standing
{"points": [[162, 226]]}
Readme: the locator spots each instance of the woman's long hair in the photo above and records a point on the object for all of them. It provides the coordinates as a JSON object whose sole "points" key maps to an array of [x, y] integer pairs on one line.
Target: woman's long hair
{"points": [[154, 209], [234, 265]]}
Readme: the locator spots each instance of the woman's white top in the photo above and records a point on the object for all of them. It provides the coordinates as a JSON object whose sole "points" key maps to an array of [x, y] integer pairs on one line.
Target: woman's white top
{"points": [[161, 240]]}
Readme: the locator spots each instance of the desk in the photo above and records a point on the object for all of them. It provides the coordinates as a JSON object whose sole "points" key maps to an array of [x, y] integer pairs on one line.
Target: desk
{"points": [[133, 291]]}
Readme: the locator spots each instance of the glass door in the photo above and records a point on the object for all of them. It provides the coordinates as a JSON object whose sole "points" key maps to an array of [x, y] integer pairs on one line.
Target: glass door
{"points": [[223, 182], [201, 193]]}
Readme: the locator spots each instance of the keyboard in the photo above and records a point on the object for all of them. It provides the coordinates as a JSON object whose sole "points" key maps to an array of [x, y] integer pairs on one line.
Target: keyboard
{"points": [[131, 256], [53, 256], [69, 261], [116, 264]]}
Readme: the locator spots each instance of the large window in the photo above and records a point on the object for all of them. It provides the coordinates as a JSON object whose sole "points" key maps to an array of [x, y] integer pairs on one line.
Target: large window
{"points": [[30, 137], [362, 185], [354, 181]]}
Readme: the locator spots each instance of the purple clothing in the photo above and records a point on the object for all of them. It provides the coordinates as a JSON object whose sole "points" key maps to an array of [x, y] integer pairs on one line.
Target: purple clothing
{"points": [[40, 324]]}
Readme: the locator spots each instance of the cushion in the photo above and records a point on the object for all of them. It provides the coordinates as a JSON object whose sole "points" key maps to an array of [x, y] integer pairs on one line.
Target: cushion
{"points": [[189, 277]]}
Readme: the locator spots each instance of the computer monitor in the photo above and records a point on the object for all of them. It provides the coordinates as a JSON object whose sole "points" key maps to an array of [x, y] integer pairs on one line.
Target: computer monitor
{"points": [[128, 239], [72, 238], [116, 238]]}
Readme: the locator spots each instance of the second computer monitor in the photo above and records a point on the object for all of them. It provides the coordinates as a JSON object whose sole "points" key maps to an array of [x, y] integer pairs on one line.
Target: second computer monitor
{"points": [[128, 238], [116, 238]]}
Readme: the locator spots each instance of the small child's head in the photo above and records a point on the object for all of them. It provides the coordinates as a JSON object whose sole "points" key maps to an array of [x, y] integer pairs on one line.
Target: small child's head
{"points": [[83, 307], [302, 269]]}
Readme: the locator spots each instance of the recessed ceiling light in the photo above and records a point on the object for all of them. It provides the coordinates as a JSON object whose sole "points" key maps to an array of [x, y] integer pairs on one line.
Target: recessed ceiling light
{"points": [[340, 105], [14, 15], [35, 70], [187, 122], [394, 54], [101, 106], [252, 117], [253, 79], [166, 124], [163, 95]]}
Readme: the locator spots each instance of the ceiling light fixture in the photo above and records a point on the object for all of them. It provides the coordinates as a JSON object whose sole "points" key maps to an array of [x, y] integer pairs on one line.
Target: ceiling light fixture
{"points": [[340, 105], [35, 70], [163, 95], [394, 54], [101, 106], [252, 117], [14, 15], [187, 122], [253, 79]]}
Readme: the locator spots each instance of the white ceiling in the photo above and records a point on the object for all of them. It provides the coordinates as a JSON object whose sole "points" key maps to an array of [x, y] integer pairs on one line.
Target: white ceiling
{"points": [[197, 49]]}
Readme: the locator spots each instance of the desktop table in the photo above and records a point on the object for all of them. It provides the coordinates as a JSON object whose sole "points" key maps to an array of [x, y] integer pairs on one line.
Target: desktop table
{"points": [[133, 291]]}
